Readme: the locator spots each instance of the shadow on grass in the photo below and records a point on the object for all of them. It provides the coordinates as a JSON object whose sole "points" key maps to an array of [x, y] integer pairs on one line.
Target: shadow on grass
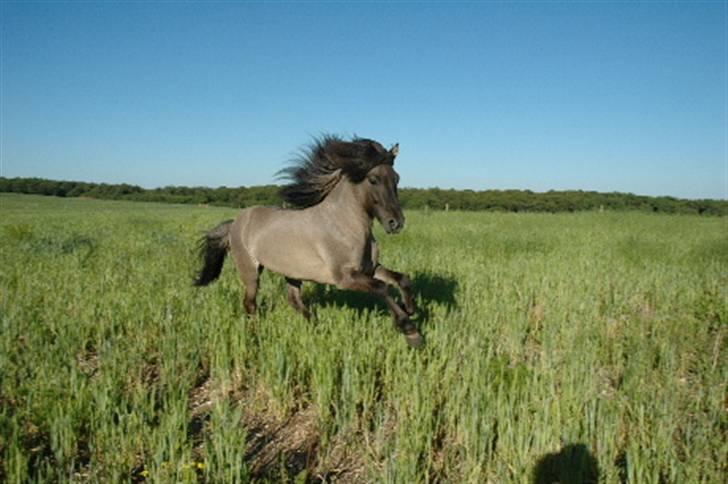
{"points": [[573, 464], [427, 288]]}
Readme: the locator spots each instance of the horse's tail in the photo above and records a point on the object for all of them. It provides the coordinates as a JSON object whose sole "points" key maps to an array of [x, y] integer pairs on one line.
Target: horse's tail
{"points": [[213, 249]]}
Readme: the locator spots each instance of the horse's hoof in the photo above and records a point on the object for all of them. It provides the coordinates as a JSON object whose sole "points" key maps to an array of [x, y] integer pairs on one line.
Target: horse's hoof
{"points": [[414, 339]]}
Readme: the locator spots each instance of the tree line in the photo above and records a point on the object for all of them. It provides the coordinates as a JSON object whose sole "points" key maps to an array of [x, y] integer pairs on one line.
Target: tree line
{"points": [[411, 198]]}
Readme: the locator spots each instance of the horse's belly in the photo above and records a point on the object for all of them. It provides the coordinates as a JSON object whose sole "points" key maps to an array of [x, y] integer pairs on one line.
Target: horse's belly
{"points": [[297, 267]]}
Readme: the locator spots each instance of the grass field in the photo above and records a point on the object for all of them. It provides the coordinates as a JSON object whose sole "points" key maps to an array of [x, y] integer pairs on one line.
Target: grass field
{"points": [[574, 348]]}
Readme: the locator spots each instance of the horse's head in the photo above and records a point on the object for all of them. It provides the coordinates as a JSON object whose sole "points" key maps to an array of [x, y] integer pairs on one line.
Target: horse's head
{"points": [[364, 163], [380, 185]]}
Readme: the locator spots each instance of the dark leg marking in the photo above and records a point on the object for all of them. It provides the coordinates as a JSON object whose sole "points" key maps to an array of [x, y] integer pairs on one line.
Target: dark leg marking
{"points": [[358, 281], [295, 299], [400, 280]]}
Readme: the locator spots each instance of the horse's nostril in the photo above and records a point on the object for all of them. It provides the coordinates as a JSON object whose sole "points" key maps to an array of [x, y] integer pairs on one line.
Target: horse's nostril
{"points": [[393, 224]]}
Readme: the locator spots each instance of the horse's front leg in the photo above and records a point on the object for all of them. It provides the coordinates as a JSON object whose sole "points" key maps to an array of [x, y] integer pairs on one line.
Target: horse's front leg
{"points": [[400, 280], [393, 278], [358, 281]]}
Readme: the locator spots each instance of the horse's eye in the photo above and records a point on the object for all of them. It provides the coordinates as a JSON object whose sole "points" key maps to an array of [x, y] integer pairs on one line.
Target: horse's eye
{"points": [[373, 180]]}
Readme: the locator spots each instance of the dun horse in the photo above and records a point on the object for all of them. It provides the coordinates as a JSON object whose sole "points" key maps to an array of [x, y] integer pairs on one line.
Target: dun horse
{"points": [[337, 188]]}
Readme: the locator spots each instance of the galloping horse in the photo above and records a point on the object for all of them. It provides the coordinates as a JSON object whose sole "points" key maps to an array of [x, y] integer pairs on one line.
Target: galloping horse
{"points": [[337, 188]]}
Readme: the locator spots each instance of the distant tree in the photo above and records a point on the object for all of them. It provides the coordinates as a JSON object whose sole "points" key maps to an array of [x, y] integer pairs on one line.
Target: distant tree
{"points": [[411, 198]]}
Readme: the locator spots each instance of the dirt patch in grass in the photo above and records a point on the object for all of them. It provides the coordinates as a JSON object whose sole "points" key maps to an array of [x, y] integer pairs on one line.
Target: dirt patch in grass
{"points": [[286, 446], [280, 446]]}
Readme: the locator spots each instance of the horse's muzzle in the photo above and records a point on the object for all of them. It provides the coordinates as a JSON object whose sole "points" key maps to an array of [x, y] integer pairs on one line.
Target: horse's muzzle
{"points": [[393, 226]]}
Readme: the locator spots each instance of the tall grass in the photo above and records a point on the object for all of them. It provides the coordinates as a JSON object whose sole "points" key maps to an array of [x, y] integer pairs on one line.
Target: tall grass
{"points": [[576, 348]]}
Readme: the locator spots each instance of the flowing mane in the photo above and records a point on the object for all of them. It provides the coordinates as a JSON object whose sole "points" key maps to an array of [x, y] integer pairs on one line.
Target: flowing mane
{"points": [[318, 167]]}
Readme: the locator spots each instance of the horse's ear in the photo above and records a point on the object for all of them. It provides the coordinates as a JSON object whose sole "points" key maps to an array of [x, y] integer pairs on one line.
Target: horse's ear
{"points": [[395, 150]]}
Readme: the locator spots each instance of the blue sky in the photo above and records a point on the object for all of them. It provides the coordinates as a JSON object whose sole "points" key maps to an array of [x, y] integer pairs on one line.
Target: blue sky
{"points": [[608, 96]]}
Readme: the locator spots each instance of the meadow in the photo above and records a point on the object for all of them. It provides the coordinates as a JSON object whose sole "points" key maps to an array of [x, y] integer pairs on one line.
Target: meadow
{"points": [[584, 347]]}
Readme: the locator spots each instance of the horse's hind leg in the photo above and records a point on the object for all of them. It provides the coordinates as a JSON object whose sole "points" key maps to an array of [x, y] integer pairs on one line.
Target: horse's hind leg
{"points": [[295, 299], [400, 280], [249, 271]]}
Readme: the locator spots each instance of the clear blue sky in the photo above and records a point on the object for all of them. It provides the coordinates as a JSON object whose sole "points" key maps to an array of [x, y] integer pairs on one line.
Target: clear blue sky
{"points": [[608, 96]]}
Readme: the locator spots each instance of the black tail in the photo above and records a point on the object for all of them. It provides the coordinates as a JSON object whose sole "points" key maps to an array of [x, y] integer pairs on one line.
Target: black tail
{"points": [[213, 249]]}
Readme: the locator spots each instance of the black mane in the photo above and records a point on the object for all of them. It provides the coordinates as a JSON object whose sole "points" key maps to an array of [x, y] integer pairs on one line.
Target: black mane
{"points": [[315, 171]]}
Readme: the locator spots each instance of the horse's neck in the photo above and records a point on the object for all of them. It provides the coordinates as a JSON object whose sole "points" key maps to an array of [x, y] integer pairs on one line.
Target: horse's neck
{"points": [[345, 207]]}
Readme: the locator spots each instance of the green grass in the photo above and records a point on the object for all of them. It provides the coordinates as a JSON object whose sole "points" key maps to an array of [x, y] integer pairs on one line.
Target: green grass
{"points": [[559, 347]]}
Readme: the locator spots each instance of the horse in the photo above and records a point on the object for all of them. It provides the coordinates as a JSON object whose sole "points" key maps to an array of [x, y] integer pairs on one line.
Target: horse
{"points": [[336, 189]]}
